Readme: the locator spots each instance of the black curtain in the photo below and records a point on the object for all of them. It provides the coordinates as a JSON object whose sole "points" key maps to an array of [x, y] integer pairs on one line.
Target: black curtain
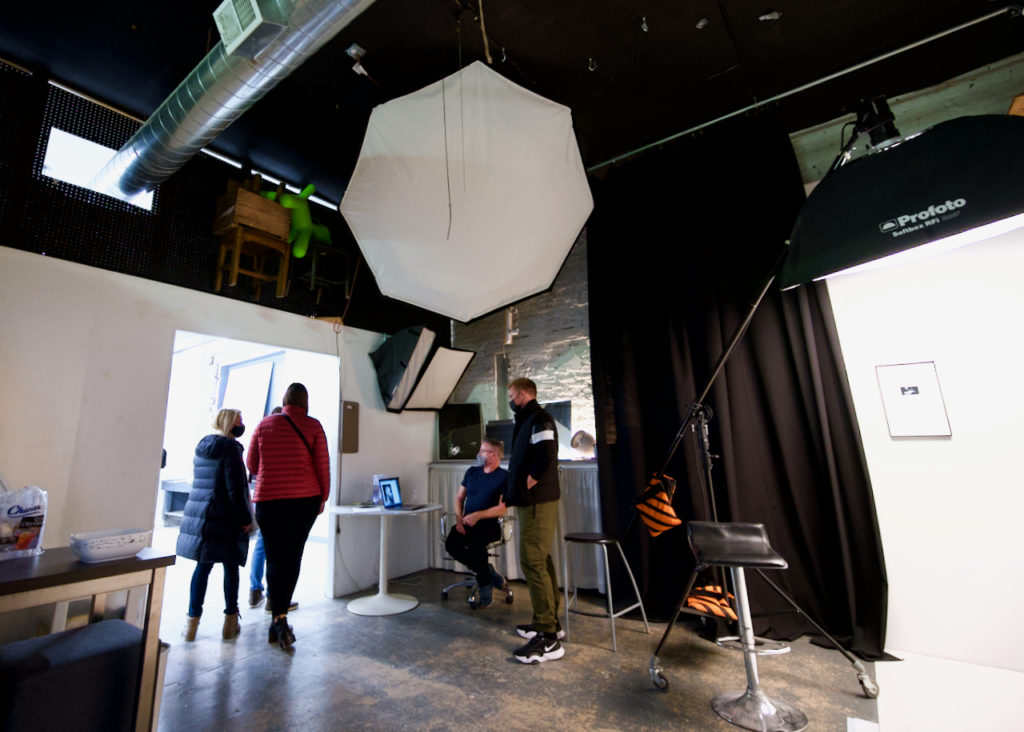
{"points": [[681, 242]]}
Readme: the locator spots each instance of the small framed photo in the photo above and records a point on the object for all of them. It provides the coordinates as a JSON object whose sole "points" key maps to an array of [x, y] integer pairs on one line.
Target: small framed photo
{"points": [[912, 400]]}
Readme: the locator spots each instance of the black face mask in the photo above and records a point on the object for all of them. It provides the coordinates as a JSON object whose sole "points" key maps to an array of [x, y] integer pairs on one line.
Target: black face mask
{"points": [[513, 406], [238, 430]]}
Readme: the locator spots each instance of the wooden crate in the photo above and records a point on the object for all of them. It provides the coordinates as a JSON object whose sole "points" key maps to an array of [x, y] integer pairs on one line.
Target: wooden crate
{"points": [[245, 208]]}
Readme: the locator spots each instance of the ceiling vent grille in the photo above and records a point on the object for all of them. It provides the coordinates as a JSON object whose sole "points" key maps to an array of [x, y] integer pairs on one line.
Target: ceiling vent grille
{"points": [[244, 30]]}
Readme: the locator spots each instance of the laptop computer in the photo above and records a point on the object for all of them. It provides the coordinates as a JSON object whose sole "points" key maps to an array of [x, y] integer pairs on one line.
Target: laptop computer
{"points": [[391, 496]]}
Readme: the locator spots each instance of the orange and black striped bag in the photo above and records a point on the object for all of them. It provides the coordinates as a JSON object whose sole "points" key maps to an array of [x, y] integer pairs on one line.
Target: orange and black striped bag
{"points": [[711, 600], [655, 505]]}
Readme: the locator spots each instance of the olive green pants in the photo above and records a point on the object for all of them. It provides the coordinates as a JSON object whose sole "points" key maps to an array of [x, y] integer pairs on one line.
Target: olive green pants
{"points": [[537, 526]]}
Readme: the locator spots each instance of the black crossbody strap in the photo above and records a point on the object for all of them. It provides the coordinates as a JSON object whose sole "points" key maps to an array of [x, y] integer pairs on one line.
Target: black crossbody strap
{"points": [[302, 436]]}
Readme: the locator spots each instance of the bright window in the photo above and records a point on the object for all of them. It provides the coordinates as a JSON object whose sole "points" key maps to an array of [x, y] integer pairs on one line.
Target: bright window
{"points": [[75, 160]]}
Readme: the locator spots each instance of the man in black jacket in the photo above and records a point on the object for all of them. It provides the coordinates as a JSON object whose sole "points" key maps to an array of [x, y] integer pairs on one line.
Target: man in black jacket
{"points": [[533, 489]]}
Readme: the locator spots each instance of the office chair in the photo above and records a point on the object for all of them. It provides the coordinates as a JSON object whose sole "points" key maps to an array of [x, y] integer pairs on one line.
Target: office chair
{"points": [[506, 524]]}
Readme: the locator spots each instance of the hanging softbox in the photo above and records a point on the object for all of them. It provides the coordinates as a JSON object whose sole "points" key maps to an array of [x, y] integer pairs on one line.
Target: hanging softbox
{"points": [[439, 378], [399, 362], [413, 373]]}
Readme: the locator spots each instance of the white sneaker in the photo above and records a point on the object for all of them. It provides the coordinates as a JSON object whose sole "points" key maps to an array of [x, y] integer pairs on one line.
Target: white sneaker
{"points": [[543, 647]]}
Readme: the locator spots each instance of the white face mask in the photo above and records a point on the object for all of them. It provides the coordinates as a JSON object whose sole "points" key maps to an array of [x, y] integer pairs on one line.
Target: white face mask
{"points": [[481, 458]]}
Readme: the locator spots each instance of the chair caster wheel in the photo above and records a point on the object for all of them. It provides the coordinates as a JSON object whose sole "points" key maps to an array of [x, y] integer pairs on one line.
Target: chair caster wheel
{"points": [[508, 599], [444, 594]]}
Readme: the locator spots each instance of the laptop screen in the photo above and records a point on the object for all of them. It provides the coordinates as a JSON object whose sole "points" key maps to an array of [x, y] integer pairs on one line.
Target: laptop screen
{"points": [[390, 493]]}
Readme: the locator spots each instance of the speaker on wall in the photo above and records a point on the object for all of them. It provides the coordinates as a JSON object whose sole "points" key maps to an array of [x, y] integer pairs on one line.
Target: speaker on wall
{"points": [[349, 427]]}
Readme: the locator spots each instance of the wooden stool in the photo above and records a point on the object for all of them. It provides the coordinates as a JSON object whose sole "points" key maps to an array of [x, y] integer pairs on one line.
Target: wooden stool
{"points": [[239, 240]]}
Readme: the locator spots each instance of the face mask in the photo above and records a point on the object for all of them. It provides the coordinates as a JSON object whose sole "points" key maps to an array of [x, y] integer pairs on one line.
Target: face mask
{"points": [[513, 406], [238, 430], [480, 460]]}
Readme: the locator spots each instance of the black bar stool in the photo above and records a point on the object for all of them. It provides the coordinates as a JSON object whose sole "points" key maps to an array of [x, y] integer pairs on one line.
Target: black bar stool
{"points": [[601, 540], [736, 546]]}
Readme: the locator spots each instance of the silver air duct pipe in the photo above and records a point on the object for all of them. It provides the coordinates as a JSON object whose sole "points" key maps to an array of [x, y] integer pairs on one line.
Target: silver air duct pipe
{"points": [[218, 91]]}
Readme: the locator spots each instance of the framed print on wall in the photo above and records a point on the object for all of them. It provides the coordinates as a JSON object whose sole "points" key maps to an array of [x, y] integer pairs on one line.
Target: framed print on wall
{"points": [[912, 400]]}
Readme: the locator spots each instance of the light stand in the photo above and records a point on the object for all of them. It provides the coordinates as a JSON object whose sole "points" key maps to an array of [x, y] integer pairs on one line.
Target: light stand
{"points": [[699, 412]]}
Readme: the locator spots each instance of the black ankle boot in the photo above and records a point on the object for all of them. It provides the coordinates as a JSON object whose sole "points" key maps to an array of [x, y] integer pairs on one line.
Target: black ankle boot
{"points": [[281, 632]]}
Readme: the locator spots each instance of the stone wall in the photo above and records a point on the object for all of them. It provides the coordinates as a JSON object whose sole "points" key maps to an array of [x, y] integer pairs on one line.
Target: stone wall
{"points": [[552, 348]]}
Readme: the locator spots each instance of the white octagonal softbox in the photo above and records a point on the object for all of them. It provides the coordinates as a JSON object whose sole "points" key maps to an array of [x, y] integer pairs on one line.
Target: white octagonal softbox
{"points": [[468, 194]]}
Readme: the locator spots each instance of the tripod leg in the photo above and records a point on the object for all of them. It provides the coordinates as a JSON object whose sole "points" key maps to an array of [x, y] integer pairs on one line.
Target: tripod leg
{"points": [[869, 685], [655, 668]]}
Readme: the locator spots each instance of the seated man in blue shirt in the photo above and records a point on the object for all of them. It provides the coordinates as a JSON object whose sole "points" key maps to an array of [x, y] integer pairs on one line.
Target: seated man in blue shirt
{"points": [[478, 506]]}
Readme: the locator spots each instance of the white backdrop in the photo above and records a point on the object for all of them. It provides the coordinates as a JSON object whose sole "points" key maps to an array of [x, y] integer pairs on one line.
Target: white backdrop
{"points": [[950, 508]]}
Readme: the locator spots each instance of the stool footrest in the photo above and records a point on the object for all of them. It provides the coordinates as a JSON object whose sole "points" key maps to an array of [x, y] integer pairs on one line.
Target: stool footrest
{"points": [[596, 614], [762, 646], [257, 275]]}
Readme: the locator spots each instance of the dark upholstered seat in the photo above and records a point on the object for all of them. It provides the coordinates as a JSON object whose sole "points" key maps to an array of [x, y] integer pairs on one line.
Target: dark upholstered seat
{"points": [[717, 544], [76, 679]]}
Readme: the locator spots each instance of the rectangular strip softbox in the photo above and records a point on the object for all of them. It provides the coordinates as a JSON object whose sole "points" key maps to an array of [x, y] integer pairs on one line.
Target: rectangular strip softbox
{"points": [[400, 361], [440, 378]]}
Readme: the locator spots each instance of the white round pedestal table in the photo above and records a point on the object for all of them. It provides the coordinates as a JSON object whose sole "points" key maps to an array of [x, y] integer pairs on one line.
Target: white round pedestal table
{"points": [[384, 602]]}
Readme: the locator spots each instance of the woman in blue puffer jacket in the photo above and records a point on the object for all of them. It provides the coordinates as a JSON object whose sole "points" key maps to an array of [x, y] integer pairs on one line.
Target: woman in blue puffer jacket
{"points": [[215, 528]]}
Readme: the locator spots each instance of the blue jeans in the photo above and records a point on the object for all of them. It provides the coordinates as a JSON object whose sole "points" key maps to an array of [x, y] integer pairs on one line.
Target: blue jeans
{"points": [[198, 591], [259, 558]]}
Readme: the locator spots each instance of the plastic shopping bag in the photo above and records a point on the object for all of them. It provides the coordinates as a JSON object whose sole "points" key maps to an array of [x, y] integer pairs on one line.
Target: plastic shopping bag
{"points": [[22, 516]]}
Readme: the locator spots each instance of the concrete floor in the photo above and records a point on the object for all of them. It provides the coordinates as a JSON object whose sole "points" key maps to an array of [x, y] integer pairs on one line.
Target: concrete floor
{"points": [[444, 666]]}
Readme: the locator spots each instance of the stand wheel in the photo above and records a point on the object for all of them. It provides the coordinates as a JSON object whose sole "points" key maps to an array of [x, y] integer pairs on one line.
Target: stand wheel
{"points": [[657, 677], [508, 597], [869, 686], [444, 594]]}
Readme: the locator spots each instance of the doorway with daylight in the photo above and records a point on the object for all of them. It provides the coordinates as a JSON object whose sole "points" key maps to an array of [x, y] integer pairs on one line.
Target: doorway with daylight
{"points": [[209, 373]]}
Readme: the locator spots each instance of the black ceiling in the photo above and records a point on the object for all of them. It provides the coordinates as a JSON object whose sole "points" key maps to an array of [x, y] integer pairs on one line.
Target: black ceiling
{"points": [[632, 71]]}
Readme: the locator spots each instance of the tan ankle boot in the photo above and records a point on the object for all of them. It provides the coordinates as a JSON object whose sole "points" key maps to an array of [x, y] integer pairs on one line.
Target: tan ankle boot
{"points": [[231, 627], [191, 626]]}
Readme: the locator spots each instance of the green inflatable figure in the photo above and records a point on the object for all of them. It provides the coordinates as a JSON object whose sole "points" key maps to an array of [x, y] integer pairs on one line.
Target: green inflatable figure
{"points": [[303, 226]]}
